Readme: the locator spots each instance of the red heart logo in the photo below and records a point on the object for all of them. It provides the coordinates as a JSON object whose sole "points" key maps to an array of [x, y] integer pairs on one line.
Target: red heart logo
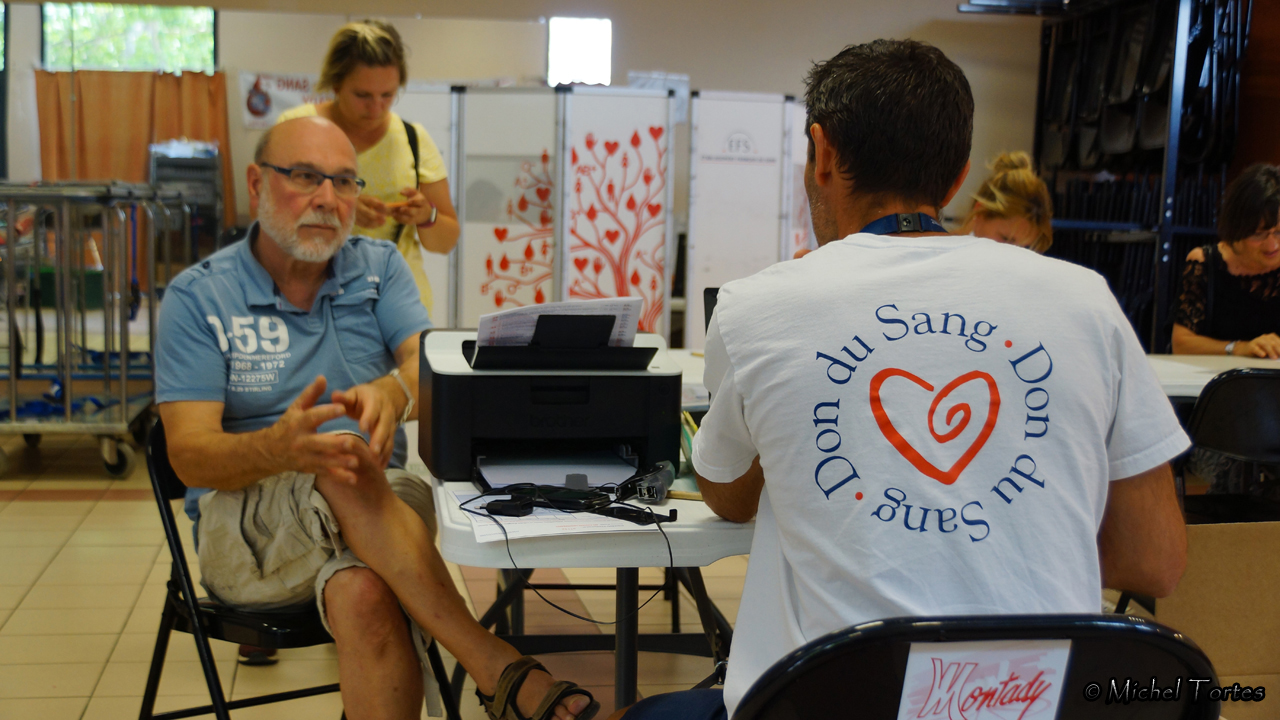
{"points": [[581, 263], [544, 193], [610, 147], [913, 456], [654, 209], [611, 235], [500, 233], [656, 132]]}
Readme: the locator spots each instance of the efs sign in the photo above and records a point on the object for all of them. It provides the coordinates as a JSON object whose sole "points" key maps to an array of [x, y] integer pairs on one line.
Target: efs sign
{"points": [[265, 96]]}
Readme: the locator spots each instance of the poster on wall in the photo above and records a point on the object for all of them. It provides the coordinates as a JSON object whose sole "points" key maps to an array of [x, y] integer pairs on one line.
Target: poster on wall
{"points": [[431, 106], [263, 96], [736, 179], [507, 251], [617, 228], [797, 223]]}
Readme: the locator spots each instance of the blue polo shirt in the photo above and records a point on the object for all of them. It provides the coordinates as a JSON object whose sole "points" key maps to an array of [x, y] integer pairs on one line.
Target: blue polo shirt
{"points": [[227, 335]]}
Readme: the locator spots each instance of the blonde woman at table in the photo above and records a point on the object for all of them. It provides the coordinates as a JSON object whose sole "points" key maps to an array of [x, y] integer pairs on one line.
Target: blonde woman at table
{"points": [[406, 202], [1230, 299], [1012, 206]]}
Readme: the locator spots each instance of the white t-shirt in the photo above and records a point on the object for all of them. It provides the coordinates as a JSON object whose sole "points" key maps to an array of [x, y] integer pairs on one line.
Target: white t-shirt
{"points": [[938, 419]]}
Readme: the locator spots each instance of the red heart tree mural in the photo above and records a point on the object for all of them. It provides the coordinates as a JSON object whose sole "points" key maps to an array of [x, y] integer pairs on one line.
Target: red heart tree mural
{"points": [[528, 234], [616, 221]]}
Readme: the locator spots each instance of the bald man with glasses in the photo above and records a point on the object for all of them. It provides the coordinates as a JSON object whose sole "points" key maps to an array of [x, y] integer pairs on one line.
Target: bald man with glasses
{"points": [[297, 500]]}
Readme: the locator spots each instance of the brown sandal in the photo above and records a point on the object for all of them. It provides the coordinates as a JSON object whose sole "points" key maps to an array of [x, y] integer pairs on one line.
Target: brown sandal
{"points": [[502, 704]]}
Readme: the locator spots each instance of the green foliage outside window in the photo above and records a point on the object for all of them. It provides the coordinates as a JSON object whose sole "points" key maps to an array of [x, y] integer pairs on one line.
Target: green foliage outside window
{"points": [[103, 36]]}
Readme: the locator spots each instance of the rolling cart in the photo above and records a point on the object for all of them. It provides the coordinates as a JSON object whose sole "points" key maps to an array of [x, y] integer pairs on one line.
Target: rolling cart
{"points": [[69, 272]]}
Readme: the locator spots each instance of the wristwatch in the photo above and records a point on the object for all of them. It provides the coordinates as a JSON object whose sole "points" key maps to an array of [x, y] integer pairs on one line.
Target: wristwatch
{"points": [[432, 220], [1231, 346], [408, 408]]}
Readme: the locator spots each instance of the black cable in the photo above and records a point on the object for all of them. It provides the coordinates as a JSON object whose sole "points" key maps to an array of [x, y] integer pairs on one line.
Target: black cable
{"points": [[538, 493]]}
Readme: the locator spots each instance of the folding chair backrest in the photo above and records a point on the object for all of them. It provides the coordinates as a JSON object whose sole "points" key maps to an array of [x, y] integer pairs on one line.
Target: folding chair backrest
{"points": [[167, 487], [164, 480], [1238, 415], [859, 672]]}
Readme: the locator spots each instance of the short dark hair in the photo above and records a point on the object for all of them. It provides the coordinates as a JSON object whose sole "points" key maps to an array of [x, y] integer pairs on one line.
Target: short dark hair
{"points": [[899, 114], [1252, 204]]}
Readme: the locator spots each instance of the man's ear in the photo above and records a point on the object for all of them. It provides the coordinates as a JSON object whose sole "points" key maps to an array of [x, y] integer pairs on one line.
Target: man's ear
{"points": [[955, 186], [254, 180], [824, 156]]}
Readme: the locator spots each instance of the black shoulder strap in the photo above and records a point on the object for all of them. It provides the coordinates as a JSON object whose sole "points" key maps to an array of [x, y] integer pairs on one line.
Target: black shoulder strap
{"points": [[413, 144], [412, 135]]}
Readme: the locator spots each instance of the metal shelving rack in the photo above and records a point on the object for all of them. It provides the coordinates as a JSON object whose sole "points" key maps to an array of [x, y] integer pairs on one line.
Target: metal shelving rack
{"points": [[66, 229], [1173, 215]]}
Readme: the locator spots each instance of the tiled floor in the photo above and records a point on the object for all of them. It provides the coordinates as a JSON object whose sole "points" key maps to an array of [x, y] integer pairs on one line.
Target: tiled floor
{"points": [[82, 572]]}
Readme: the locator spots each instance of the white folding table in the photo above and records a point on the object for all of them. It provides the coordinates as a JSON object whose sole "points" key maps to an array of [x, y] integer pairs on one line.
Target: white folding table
{"points": [[698, 538]]}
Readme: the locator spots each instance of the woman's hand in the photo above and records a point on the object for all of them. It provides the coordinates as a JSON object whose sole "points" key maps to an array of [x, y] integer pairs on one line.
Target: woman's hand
{"points": [[415, 209], [1263, 346], [370, 212]]}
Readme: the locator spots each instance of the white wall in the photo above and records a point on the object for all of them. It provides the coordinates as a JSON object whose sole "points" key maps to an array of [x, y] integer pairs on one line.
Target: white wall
{"points": [[748, 45], [24, 127]]}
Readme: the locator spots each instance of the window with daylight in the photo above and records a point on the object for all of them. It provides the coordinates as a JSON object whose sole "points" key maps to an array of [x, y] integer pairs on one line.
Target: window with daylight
{"points": [[103, 36], [579, 50]]}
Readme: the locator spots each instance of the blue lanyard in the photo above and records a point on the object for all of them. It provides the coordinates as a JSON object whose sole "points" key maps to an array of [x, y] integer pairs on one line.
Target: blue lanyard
{"points": [[904, 223]]}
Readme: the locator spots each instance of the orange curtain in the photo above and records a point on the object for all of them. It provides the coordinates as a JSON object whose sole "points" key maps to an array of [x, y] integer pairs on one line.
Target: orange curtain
{"points": [[119, 114]]}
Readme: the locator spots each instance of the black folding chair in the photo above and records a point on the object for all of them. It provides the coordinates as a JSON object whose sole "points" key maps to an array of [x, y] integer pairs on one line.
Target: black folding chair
{"points": [[1237, 415], [277, 630], [859, 672]]}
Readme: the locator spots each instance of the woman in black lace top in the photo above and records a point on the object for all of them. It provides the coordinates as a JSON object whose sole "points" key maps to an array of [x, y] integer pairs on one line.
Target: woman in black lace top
{"points": [[1230, 299]]}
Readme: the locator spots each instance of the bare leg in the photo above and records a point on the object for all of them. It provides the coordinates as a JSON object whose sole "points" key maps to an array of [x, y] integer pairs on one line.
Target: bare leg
{"points": [[388, 535], [377, 665]]}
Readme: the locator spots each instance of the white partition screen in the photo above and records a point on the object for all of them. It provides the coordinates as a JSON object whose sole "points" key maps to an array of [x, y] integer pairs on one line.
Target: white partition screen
{"points": [[736, 182], [507, 251], [798, 224], [616, 218], [433, 107]]}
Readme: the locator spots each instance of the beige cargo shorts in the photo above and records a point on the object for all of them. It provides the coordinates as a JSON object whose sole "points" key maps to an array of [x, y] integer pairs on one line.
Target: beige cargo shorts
{"points": [[275, 544]]}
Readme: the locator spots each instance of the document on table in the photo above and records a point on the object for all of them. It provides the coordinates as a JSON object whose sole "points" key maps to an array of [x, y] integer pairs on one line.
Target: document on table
{"points": [[516, 325], [543, 522]]}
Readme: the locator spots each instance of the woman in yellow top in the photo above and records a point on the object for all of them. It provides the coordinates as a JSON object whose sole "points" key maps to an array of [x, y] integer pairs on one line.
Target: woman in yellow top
{"points": [[1013, 205], [365, 70]]}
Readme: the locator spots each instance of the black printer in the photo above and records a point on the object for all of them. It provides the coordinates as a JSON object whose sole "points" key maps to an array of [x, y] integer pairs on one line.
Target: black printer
{"points": [[531, 400]]}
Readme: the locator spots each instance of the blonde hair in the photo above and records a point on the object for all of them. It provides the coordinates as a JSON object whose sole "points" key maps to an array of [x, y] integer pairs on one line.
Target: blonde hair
{"points": [[1015, 191], [369, 42]]}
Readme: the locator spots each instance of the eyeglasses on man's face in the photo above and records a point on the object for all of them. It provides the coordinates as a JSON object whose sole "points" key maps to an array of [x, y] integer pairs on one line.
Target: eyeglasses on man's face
{"points": [[307, 180]]}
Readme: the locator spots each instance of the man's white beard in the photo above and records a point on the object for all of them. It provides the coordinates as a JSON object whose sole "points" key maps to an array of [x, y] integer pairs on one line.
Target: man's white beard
{"points": [[285, 232]]}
